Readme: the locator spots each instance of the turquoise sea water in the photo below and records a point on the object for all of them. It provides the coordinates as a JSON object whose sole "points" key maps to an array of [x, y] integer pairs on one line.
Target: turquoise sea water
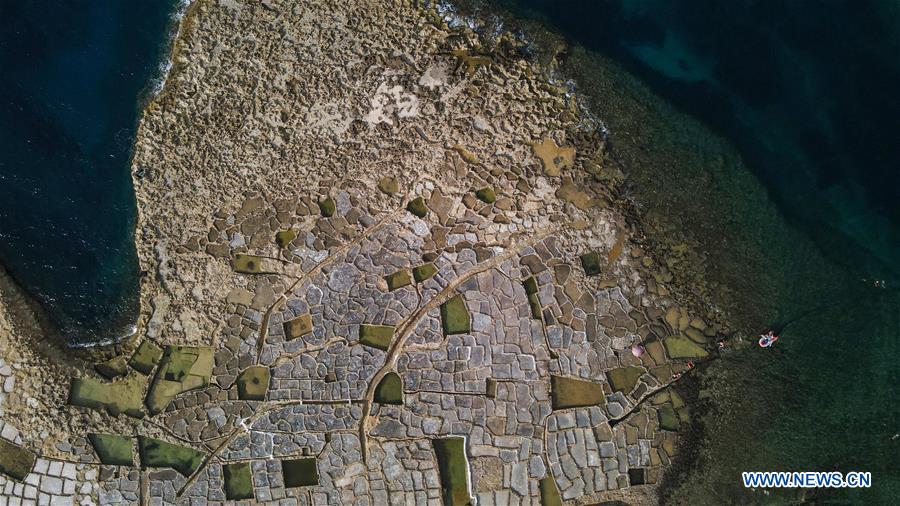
{"points": [[72, 81], [765, 134]]}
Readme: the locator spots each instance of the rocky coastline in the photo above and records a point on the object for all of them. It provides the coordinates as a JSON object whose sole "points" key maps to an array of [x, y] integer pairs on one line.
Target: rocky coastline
{"points": [[312, 176]]}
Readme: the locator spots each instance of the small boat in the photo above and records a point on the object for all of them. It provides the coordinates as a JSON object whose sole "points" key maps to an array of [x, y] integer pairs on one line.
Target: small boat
{"points": [[767, 340]]}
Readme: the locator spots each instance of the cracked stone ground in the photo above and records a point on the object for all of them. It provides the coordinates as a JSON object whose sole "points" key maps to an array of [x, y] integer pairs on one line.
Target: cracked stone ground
{"points": [[388, 264]]}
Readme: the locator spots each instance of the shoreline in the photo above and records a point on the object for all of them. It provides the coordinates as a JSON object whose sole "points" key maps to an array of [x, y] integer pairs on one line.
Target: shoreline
{"points": [[182, 300], [158, 83], [148, 93]]}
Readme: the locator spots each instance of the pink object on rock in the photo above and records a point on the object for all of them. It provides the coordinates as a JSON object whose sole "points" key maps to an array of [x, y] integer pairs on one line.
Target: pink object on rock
{"points": [[637, 350]]}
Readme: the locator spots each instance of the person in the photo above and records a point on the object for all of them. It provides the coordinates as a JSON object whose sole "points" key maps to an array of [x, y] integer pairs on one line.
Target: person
{"points": [[768, 339]]}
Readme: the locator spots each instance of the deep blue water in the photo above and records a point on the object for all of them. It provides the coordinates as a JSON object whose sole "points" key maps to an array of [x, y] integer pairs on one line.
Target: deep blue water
{"points": [[807, 93], [72, 77]]}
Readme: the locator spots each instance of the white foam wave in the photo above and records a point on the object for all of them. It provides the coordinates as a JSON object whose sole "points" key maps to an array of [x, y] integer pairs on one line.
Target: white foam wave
{"points": [[158, 83], [129, 331]]}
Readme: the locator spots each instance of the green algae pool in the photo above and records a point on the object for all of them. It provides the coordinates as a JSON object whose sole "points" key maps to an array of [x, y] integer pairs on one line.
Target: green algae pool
{"points": [[451, 457], [389, 389], [238, 481], [424, 272], [300, 472], [549, 492], [120, 396], [376, 336], [575, 393], [158, 453], [112, 449], [455, 317], [253, 383], [624, 379], [15, 461]]}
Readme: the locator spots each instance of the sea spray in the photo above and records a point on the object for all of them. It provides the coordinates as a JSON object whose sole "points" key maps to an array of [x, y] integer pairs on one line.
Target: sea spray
{"points": [[158, 83]]}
